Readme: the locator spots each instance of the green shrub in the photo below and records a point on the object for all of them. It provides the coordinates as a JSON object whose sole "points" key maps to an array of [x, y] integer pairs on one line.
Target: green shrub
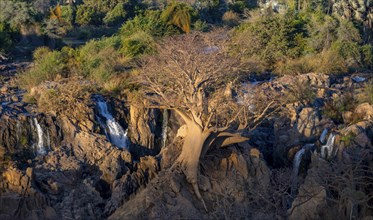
{"points": [[86, 15], [295, 66], [348, 51], [367, 56], [47, 65], [116, 15], [238, 6], [68, 15], [40, 53], [99, 60], [368, 92], [148, 22], [137, 44], [200, 25], [329, 61], [271, 38]]}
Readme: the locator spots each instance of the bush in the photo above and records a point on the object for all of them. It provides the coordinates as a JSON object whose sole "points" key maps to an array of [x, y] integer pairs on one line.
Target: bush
{"points": [[271, 39], [330, 61], [238, 6], [116, 15], [348, 51], [231, 18], [86, 15], [68, 16], [201, 26], [47, 65], [65, 96], [367, 56], [149, 22], [295, 66], [137, 44], [368, 92], [99, 60], [300, 91]]}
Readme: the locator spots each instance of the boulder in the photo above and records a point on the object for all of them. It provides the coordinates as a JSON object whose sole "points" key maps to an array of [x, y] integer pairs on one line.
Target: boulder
{"points": [[365, 110]]}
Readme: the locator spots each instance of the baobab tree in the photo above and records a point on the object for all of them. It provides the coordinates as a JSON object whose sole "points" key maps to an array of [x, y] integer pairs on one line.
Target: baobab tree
{"points": [[189, 75]]}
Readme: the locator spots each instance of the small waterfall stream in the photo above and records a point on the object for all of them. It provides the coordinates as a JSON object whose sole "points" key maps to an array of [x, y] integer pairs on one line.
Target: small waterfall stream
{"points": [[40, 148], [296, 164], [323, 136], [327, 149], [115, 133], [164, 127]]}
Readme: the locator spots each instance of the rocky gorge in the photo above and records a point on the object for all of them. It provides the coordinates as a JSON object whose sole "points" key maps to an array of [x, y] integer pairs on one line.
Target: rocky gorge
{"points": [[104, 158]]}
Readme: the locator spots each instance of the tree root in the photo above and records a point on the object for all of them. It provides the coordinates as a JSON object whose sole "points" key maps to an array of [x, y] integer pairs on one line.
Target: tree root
{"points": [[178, 167], [198, 194]]}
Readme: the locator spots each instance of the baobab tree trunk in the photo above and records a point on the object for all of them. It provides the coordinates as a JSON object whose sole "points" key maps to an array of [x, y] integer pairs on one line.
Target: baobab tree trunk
{"points": [[191, 151], [190, 155]]}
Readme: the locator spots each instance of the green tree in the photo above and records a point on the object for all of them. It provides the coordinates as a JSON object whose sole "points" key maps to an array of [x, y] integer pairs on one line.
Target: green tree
{"points": [[18, 14], [178, 14], [86, 15], [149, 22], [137, 44], [271, 38], [116, 15]]}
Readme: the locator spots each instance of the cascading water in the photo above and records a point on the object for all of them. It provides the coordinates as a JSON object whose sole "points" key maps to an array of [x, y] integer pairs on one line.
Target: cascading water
{"points": [[297, 159], [296, 163], [40, 149], [113, 130], [164, 127], [323, 136], [327, 150]]}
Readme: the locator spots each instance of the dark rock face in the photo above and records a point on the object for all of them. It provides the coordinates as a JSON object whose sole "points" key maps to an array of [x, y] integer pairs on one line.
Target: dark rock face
{"points": [[227, 176], [82, 175]]}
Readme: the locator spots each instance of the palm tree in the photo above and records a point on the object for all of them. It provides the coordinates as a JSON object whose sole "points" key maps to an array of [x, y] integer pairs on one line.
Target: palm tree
{"points": [[178, 14], [56, 13]]}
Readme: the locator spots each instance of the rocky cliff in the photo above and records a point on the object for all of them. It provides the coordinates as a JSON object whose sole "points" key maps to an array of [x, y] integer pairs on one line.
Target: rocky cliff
{"points": [[63, 164]]}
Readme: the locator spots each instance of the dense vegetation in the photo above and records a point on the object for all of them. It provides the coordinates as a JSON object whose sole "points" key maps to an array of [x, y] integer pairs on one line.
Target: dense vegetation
{"points": [[290, 38]]}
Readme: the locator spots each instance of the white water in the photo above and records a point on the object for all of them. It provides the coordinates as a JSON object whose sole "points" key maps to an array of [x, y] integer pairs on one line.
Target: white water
{"points": [[164, 127], [358, 79], [113, 130], [327, 149], [298, 158], [323, 136], [296, 163], [40, 149]]}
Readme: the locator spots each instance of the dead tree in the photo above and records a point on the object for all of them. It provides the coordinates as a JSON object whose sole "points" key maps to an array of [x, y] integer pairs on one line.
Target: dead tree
{"points": [[189, 74]]}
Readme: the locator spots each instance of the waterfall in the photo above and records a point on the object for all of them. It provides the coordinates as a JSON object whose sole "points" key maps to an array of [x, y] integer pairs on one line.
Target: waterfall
{"points": [[298, 157], [323, 136], [327, 150], [164, 127], [114, 132], [296, 162], [40, 149]]}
